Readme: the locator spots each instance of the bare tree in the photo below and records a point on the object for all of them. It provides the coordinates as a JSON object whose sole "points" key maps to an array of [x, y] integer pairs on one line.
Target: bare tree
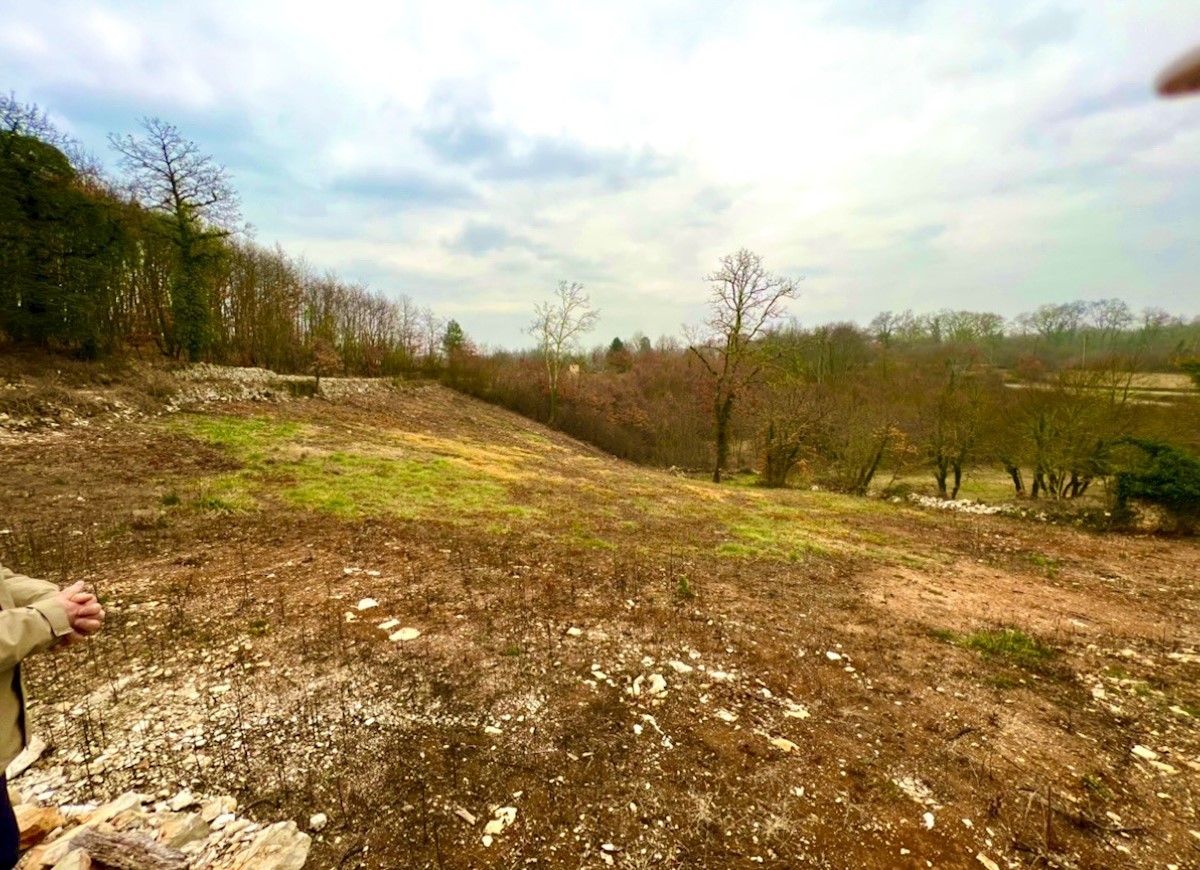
{"points": [[557, 326], [168, 174], [745, 299]]}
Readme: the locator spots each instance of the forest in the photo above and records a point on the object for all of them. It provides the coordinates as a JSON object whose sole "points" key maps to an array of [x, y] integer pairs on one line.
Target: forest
{"points": [[154, 264]]}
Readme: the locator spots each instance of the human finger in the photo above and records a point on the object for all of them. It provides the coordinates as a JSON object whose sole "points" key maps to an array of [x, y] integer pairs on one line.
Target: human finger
{"points": [[86, 625]]}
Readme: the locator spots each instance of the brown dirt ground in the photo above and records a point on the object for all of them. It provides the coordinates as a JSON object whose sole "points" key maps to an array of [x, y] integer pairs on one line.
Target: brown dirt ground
{"points": [[230, 663]]}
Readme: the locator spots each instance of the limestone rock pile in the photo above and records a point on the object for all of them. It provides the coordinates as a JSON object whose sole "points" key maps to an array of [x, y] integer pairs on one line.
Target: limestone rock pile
{"points": [[137, 832]]}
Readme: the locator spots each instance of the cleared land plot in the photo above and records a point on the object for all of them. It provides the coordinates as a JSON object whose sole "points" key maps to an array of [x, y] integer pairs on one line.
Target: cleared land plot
{"points": [[838, 674]]}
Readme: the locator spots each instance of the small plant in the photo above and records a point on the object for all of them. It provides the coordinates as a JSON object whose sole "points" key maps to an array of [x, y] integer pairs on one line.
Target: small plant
{"points": [[512, 651], [684, 590], [169, 499], [1046, 563], [259, 627], [1010, 644], [1093, 783]]}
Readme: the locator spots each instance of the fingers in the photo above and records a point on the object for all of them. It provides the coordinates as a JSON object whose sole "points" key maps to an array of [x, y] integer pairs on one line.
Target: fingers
{"points": [[87, 625], [90, 608], [75, 588]]}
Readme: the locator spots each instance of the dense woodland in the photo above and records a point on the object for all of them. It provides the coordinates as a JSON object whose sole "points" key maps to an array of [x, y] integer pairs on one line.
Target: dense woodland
{"points": [[153, 263]]}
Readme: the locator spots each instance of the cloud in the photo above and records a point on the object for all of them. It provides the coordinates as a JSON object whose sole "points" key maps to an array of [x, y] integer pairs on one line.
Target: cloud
{"points": [[460, 131], [471, 154], [401, 189]]}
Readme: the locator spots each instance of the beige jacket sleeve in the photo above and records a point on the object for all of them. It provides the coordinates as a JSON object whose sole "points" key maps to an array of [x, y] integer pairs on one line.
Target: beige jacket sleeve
{"points": [[37, 621]]}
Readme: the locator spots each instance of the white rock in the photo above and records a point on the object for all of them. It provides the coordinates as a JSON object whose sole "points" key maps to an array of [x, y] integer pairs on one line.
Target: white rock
{"points": [[367, 604], [389, 624], [679, 667], [317, 822], [574, 632], [405, 634], [833, 657], [794, 710], [1145, 753], [928, 820], [181, 801], [987, 862]]}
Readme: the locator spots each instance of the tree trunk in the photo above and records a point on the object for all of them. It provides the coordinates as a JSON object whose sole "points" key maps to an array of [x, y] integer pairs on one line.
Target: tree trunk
{"points": [[1015, 473], [957, 480], [939, 474], [724, 412]]}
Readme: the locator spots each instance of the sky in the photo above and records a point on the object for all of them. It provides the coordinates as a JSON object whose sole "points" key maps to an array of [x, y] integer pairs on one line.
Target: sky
{"points": [[990, 156]]}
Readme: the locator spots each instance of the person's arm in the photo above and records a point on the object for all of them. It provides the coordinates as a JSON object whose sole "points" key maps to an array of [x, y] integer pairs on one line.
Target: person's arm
{"points": [[40, 595]]}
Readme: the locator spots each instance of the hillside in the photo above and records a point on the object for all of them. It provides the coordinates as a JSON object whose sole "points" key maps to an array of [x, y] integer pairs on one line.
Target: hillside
{"points": [[603, 664]]}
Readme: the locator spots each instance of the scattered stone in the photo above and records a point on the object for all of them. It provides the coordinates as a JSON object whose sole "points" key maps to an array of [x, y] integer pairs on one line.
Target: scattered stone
{"points": [[218, 807], [317, 822], [405, 634], [928, 819], [1145, 753], [574, 632], [35, 823], [389, 624], [987, 862], [794, 710], [181, 801], [179, 829], [833, 657], [504, 816], [277, 847], [367, 604], [29, 755], [465, 815], [129, 851], [680, 667], [784, 744], [77, 859]]}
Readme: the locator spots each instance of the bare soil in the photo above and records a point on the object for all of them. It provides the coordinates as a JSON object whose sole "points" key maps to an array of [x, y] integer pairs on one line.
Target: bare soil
{"points": [[825, 701]]}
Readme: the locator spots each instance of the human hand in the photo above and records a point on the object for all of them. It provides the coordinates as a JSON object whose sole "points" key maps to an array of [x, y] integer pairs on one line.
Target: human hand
{"points": [[83, 609]]}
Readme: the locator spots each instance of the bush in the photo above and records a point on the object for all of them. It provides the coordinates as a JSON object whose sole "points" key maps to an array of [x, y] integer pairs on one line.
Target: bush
{"points": [[1169, 478]]}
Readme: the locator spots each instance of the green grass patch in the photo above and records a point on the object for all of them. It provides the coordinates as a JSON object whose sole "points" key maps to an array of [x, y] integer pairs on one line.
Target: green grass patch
{"points": [[245, 436], [1047, 563], [773, 535], [1011, 645], [350, 485]]}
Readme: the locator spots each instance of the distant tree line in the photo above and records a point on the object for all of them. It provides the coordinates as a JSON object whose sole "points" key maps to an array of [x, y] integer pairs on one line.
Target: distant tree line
{"points": [[1058, 399], [154, 261]]}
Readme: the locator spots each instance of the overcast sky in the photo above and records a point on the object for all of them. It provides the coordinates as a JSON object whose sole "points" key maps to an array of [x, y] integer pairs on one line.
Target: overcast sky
{"points": [[982, 155]]}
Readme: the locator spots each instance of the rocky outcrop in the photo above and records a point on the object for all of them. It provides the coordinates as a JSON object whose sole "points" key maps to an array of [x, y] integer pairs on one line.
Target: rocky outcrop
{"points": [[134, 832]]}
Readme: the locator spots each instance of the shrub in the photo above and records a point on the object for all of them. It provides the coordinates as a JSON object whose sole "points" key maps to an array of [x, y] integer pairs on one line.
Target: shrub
{"points": [[1168, 477]]}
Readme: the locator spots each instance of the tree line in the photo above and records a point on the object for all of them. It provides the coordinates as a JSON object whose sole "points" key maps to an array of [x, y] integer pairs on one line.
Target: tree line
{"points": [[1057, 400], [154, 261]]}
